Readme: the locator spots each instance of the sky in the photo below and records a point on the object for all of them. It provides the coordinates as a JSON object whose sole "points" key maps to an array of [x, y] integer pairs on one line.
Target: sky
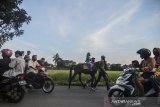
{"points": [[114, 28]]}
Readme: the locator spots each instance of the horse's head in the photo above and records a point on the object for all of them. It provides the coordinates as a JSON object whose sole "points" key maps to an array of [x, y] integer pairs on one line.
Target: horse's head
{"points": [[96, 65]]}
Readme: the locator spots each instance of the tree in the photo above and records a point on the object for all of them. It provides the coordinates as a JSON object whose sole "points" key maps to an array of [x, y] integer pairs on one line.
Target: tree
{"points": [[56, 58], [65, 63], [12, 17], [116, 67]]}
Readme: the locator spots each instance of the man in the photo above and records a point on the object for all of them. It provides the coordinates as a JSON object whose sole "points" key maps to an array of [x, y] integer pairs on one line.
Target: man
{"points": [[27, 57], [33, 64], [31, 73], [146, 66], [102, 73]]}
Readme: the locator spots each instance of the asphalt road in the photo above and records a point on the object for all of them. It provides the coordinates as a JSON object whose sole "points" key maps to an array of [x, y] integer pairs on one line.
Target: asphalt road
{"points": [[74, 97], [62, 97]]}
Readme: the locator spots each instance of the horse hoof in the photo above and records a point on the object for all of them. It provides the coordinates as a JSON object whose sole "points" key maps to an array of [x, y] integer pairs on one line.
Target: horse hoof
{"points": [[93, 89], [84, 86]]}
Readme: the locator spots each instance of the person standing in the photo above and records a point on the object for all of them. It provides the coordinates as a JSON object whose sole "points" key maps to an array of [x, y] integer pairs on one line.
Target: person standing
{"points": [[102, 72]]}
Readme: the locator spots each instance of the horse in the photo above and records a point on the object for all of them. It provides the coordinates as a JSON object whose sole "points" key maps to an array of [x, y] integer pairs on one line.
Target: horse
{"points": [[79, 69]]}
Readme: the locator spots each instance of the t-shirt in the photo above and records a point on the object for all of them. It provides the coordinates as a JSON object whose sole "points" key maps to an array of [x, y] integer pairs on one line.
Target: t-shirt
{"points": [[33, 64], [147, 65], [17, 66]]}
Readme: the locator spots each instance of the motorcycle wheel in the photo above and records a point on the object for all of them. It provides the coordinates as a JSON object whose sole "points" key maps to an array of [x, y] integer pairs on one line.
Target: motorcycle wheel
{"points": [[48, 86], [16, 94], [117, 94]]}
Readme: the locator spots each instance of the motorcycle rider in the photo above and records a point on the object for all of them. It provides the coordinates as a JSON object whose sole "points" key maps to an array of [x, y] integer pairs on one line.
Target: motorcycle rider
{"points": [[27, 57], [32, 68], [4, 62], [155, 79], [146, 66], [33, 64], [42, 62], [16, 65]]}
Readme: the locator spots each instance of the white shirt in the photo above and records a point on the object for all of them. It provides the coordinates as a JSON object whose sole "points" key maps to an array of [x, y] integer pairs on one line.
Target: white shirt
{"points": [[17, 66], [32, 64]]}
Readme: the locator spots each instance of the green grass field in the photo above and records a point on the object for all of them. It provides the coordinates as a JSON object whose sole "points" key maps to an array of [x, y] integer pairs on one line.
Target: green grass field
{"points": [[60, 77]]}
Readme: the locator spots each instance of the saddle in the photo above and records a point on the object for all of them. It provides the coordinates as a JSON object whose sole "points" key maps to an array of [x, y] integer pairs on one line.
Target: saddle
{"points": [[85, 66]]}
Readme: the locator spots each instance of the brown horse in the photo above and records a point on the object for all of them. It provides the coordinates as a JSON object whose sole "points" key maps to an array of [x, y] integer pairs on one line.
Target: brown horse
{"points": [[79, 69]]}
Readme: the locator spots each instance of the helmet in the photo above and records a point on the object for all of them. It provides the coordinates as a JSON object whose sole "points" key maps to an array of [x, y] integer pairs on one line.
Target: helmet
{"points": [[6, 53], [102, 57], [156, 51], [144, 53]]}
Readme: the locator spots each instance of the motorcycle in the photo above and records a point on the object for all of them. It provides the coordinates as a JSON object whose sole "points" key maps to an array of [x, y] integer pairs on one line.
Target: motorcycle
{"points": [[125, 86], [41, 81], [11, 88]]}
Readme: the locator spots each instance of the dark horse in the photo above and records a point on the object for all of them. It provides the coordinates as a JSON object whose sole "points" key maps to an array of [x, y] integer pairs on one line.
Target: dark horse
{"points": [[79, 69]]}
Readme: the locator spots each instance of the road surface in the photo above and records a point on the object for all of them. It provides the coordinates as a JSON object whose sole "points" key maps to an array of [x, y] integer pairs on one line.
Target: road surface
{"points": [[62, 97]]}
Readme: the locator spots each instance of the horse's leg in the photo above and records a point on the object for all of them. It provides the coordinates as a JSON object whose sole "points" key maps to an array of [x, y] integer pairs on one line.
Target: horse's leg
{"points": [[74, 75], [81, 80]]}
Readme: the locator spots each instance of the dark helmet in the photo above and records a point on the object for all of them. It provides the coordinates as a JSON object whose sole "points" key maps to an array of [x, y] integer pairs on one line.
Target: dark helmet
{"points": [[6, 53], [102, 57], [144, 53], [156, 51]]}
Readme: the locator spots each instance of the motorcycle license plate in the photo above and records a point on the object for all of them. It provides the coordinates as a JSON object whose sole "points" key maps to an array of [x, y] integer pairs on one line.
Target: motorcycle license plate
{"points": [[22, 82]]}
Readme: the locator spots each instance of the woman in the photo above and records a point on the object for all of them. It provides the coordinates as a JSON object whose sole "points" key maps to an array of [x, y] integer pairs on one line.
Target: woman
{"points": [[155, 79]]}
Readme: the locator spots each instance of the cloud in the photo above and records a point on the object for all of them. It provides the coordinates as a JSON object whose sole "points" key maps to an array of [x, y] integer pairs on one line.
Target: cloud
{"points": [[19, 44], [101, 38], [60, 24]]}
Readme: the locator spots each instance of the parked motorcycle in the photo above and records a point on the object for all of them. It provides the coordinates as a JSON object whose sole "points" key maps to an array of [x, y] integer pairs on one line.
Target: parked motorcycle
{"points": [[11, 88], [41, 81]]}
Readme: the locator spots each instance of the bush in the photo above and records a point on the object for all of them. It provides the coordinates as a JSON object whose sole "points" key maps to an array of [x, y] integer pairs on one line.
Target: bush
{"points": [[60, 77]]}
